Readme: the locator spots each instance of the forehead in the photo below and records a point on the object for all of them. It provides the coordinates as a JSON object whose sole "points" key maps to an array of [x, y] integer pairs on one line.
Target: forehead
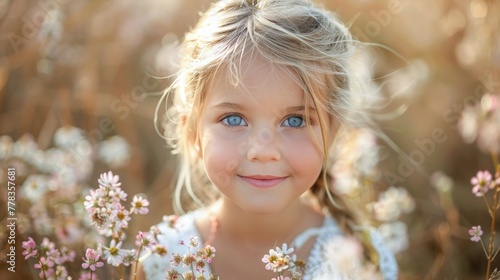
{"points": [[255, 79]]}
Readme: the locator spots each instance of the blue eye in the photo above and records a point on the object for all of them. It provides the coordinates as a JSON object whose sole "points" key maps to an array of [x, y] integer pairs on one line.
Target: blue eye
{"points": [[234, 120], [294, 121]]}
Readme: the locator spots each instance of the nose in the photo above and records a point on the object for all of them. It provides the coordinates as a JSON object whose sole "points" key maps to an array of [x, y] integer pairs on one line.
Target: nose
{"points": [[263, 147]]}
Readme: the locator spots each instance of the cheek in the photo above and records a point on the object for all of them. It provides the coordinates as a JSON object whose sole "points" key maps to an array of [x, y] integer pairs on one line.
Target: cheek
{"points": [[220, 160], [305, 158]]}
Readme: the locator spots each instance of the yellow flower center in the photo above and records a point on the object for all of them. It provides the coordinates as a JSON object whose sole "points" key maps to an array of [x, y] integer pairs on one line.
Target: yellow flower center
{"points": [[113, 250]]}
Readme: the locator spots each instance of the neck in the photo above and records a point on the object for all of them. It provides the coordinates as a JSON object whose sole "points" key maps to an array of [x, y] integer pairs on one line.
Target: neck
{"points": [[256, 229]]}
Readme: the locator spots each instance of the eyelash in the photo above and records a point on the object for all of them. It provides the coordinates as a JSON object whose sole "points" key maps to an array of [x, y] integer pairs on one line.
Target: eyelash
{"points": [[229, 115], [304, 121], [287, 117]]}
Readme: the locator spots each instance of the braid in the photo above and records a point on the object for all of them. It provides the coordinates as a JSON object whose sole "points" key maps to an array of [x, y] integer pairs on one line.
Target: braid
{"points": [[348, 219]]}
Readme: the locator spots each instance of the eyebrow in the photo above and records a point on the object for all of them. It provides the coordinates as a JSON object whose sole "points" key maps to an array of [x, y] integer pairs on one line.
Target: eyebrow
{"points": [[229, 105], [299, 108], [241, 107]]}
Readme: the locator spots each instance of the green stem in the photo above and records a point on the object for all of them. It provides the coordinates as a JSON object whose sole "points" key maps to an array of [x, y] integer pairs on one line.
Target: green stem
{"points": [[484, 249], [121, 272], [137, 262], [492, 235], [488, 205], [148, 253], [43, 271], [496, 253]]}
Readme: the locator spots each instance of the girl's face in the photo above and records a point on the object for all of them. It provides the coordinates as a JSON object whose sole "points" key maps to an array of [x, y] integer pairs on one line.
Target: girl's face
{"points": [[255, 141]]}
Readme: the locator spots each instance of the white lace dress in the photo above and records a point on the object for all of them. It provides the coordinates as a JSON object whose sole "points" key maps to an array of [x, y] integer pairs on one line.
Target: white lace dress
{"points": [[332, 256]]}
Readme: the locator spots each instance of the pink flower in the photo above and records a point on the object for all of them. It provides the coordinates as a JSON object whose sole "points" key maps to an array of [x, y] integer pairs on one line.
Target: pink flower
{"points": [[118, 194], [278, 260], [29, 247], [130, 257], [142, 239], [92, 201], [46, 265], [109, 180], [171, 220], [67, 255], [86, 276], [176, 259], [155, 231], [61, 272], [481, 183], [475, 233], [496, 181], [55, 255], [47, 245], [139, 205], [281, 277], [122, 216], [101, 218], [194, 241], [209, 253], [159, 250], [172, 274], [92, 260]]}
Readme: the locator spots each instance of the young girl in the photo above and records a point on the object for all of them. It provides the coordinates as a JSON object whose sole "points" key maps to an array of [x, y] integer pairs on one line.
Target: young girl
{"points": [[265, 86]]}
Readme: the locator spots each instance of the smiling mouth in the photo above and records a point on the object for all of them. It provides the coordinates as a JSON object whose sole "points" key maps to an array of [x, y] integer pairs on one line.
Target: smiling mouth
{"points": [[263, 181]]}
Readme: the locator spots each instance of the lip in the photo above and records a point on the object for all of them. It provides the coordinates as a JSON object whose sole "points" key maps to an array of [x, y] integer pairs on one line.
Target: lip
{"points": [[263, 181]]}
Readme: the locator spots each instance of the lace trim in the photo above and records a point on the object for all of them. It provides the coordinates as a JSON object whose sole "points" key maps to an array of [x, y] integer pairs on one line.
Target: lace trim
{"points": [[315, 259], [155, 266]]}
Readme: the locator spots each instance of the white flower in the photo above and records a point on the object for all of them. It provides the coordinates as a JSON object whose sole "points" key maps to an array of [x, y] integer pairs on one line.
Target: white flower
{"points": [[395, 236], [469, 124], [391, 204], [278, 260], [113, 254], [53, 158], [34, 187], [345, 183], [441, 182], [284, 250], [139, 205], [403, 199], [344, 253], [24, 147], [194, 241], [38, 159], [367, 152], [115, 151], [130, 257], [355, 158], [101, 218], [6, 143], [117, 194], [488, 137], [67, 136], [343, 259], [108, 180]]}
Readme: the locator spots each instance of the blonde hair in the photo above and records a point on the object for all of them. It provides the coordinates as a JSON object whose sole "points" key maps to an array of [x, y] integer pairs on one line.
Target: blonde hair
{"points": [[294, 34]]}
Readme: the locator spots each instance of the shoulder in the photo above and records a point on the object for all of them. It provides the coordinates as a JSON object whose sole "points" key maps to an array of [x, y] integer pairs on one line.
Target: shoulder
{"points": [[171, 236]]}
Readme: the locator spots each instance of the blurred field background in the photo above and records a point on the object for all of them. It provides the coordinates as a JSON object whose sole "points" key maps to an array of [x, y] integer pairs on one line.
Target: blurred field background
{"points": [[92, 65]]}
